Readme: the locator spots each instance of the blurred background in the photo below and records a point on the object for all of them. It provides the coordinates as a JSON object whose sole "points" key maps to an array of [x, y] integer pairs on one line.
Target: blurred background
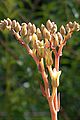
{"points": [[20, 94]]}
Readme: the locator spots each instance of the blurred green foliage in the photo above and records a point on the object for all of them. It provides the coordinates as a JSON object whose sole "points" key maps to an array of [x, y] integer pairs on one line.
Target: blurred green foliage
{"points": [[20, 95]]}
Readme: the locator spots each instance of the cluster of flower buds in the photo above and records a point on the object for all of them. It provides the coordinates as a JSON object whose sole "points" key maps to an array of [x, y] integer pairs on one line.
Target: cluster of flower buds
{"points": [[48, 33], [43, 40]]}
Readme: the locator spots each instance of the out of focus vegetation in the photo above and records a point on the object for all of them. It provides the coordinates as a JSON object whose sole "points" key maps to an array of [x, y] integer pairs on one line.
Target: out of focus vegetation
{"points": [[20, 95]]}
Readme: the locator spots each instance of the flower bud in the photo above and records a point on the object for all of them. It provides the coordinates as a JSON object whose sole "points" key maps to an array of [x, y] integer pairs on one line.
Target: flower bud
{"points": [[68, 28], [54, 28], [46, 33], [5, 22], [62, 30], [42, 27], [60, 38], [54, 40], [18, 27], [40, 49], [76, 26], [33, 28], [54, 76], [2, 26], [9, 21], [48, 57], [39, 34], [70, 25], [49, 25], [34, 39], [13, 24], [23, 31], [30, 31]]}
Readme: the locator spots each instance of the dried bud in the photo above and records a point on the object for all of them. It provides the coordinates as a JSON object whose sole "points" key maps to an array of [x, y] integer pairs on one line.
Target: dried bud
{"points": [[13, 24], [39, 34], [9, 21], [18, 27], [46, 33], [48, 57], [23, 31], [62, 30], [49, 25], [60, 38]]}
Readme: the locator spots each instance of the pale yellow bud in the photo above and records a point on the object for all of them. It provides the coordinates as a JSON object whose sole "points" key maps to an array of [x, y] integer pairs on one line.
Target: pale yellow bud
{"points": [[60, 38], [18, 27], [76, 26], [33, 28], [62, 30], [54, 76], [2, 26], [40, 49], [49, 25], [54, 40], [48, 57], [13, 24], [46, 33], [5, 22], [54, 28], [70, 24], [29, 25], [42, 27], [68, 28], [30, 31], [24, 24], [39, 34], [2, 21], [9, 21], [34, 39], [23, 31], [40, 52]]}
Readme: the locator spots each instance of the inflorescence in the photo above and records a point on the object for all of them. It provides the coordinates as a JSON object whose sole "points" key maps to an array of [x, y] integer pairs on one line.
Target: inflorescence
{"points": [[43, 41]]}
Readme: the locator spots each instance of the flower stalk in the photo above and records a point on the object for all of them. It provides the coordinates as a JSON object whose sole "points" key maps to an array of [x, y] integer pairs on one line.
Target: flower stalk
{"points": [[45, 42]]}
